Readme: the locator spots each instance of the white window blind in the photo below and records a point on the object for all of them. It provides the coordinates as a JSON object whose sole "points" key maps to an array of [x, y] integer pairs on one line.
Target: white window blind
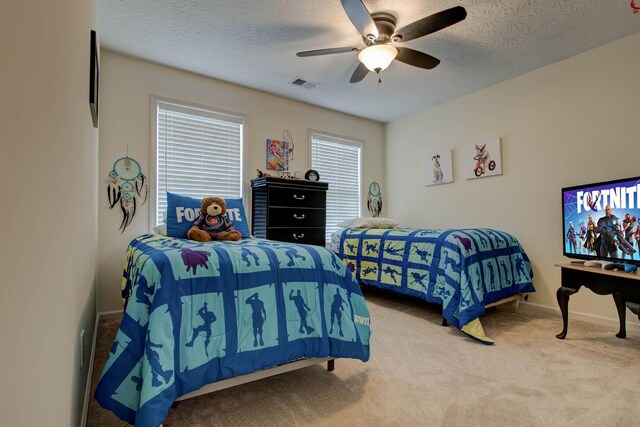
{"points": [[338, 163], [199, 153]]}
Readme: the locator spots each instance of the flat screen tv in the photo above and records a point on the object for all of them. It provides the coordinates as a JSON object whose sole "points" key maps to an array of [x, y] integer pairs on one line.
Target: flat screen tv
{"points": [[600, 221]]}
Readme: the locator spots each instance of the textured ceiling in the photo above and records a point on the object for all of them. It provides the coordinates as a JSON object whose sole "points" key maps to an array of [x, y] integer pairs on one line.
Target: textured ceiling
{"points": [[253, 44]]}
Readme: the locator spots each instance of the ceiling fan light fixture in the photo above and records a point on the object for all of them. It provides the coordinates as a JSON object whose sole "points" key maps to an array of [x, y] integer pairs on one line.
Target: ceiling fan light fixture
{"points": [[377, 57]]}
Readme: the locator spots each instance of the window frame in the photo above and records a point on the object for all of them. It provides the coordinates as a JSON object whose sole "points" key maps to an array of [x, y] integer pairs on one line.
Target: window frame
{"points": [[153, 153], [342, 139]]}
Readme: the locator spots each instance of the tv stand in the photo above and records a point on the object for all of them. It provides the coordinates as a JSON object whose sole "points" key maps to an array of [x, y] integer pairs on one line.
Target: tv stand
{"points": [[624, 287]]}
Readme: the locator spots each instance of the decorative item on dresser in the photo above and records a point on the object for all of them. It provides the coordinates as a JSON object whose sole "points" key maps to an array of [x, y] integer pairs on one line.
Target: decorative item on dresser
{"points": [[312, 175], [289, 210]]}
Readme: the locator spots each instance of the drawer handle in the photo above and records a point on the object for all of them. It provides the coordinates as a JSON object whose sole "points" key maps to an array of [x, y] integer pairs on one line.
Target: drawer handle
{"points": [[295, 196], [298, 236], [296, 216]]}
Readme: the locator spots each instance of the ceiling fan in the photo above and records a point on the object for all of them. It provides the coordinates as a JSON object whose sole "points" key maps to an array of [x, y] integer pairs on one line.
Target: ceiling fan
{"points": [[379, 29]]}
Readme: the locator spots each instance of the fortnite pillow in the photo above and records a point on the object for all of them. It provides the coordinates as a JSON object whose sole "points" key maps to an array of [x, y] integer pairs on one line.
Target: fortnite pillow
{"points": [[182, 211], [237, 216]]}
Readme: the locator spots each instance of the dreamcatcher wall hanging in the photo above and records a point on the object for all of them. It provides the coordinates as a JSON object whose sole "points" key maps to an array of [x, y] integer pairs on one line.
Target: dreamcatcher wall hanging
{"points": [[126, 184], [286, 136], [374, 199]]}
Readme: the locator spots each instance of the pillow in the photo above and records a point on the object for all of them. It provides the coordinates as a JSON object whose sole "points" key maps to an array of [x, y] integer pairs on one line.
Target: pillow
{"points": [[238, 217], [160, 229], [182, 211], [369, 223]]}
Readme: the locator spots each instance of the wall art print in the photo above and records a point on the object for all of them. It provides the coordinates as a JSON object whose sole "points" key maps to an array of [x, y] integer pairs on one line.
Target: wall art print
{"points": [[94, 79], [438, 167], [277, 155], [484, 159]]}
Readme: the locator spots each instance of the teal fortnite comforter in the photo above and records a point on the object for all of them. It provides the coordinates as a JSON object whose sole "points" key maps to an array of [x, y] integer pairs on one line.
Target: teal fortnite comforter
{"points": [[196, 313]]}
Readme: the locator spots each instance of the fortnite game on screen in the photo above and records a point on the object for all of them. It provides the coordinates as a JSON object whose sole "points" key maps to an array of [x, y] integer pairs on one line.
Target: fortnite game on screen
{"points": [[601, 220]]}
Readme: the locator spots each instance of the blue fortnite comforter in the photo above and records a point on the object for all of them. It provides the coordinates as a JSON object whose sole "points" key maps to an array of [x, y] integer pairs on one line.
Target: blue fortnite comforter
{"points": [[463, 269], [197, 313]]}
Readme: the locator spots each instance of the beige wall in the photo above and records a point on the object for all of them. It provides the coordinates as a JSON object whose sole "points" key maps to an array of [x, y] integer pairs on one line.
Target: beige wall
{"points": [[48, 181], [570, 123], [127, 84]]}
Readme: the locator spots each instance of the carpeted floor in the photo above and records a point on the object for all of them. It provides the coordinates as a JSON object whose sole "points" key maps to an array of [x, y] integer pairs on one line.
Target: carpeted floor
{"points": [[421, 373]]}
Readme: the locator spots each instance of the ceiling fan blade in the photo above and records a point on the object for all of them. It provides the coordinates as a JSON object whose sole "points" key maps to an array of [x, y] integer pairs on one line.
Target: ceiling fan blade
{"points": [[431, 24], [327, 51], [359, 73], [360, 18], [417, 59]]}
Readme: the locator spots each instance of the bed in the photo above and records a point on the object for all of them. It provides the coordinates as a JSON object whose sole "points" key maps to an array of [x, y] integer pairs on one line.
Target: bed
{"points": [[200, 313], [464, 270]]}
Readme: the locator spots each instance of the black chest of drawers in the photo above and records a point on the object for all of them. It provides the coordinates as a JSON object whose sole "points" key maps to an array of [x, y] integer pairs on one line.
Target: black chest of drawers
{"points": [[289, 210]]}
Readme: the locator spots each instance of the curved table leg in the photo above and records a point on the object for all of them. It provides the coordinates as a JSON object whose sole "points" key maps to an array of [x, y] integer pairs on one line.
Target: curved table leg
{"points": [[634, 307], [621, 315], [562, 295]]}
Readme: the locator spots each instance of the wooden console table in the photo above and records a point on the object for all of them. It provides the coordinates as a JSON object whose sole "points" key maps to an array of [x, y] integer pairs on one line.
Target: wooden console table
{"points": [[624, 287]]}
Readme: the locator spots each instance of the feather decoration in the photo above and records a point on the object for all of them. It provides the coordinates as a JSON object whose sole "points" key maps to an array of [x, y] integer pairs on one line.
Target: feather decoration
{"points": [[125, 217], [128, 208], [374, 205], [142, 188], [139, 183], [114, 191]]}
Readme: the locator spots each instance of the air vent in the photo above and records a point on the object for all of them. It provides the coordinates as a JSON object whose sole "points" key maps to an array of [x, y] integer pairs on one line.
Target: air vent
{"points": [[302, 83]]}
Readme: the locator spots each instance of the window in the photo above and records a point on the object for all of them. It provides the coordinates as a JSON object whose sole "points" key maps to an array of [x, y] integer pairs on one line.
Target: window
{"points": [[337, 161], [198, 153]]}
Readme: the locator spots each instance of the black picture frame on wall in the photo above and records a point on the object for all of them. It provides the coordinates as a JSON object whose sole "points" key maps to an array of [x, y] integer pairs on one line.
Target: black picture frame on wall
{"points": [[94, 79]]}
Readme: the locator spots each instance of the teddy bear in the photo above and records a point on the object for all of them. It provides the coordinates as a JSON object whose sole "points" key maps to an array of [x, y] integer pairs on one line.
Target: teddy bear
{"points": [[212, 224]]}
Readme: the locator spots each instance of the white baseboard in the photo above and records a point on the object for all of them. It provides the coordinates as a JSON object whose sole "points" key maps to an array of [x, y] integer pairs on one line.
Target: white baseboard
{"points": [[87, 391], [115, 314], [531, 308]]}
